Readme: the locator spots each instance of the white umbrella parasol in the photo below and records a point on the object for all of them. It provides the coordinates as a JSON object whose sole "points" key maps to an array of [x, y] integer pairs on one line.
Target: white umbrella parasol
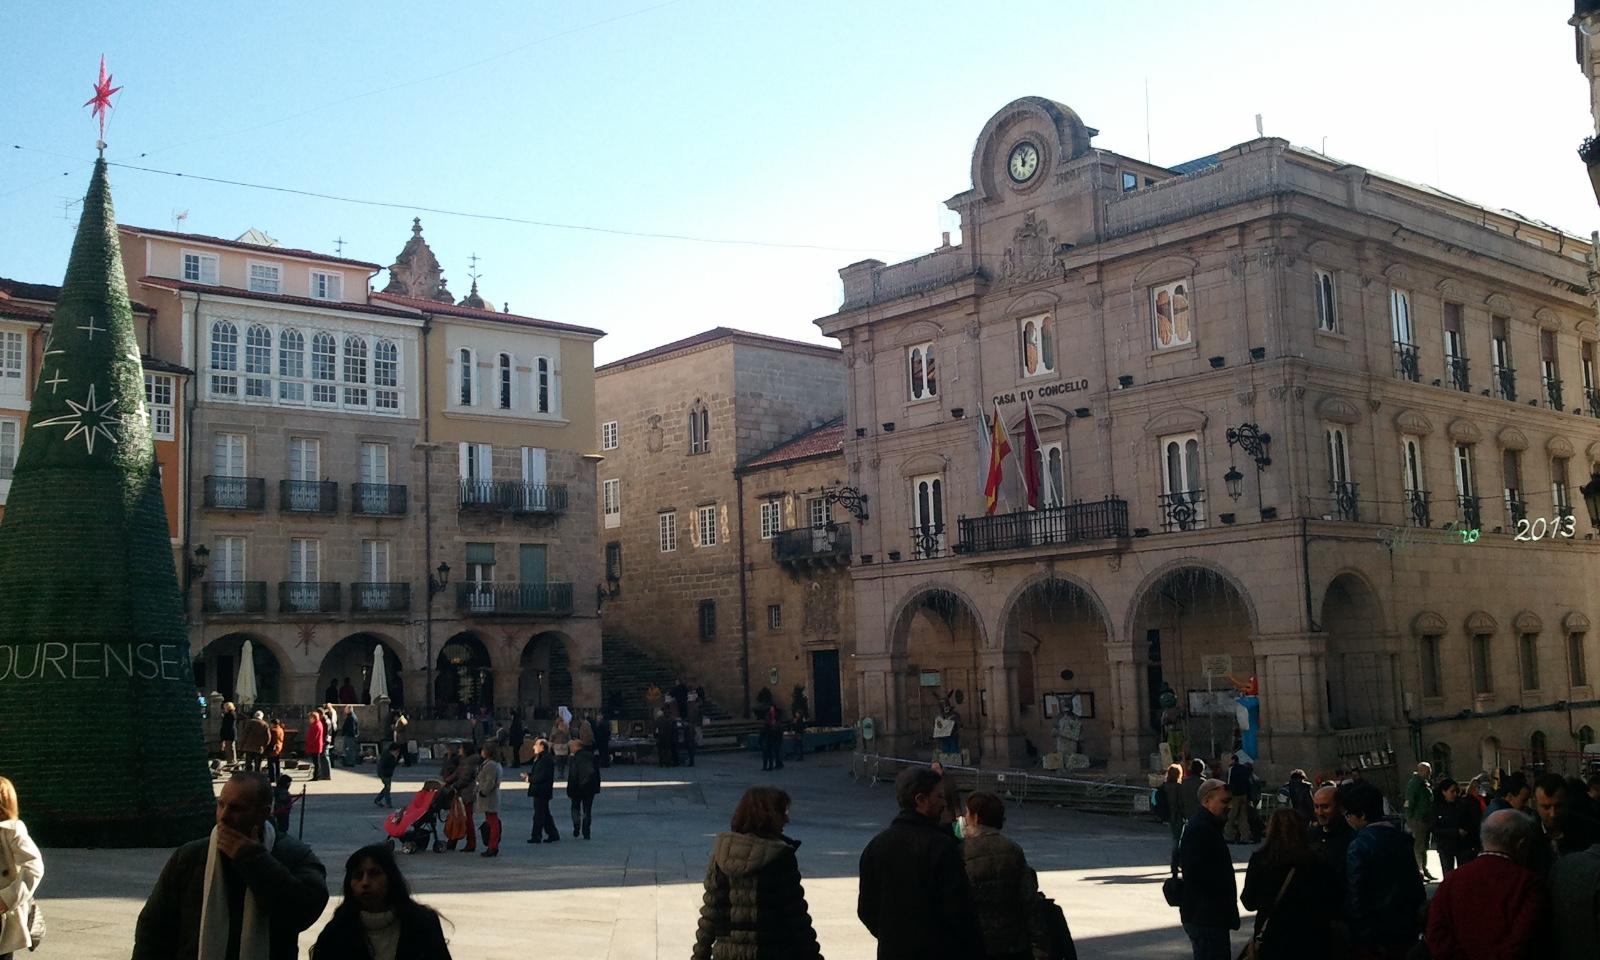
{"points": [[379, 688], [245, 688]]}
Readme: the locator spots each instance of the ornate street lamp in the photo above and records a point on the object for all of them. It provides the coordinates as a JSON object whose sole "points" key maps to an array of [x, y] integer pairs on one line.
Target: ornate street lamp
{"points": [[1591, 499], [1235, 481], [1250, 438], [436, 584], [853, 500]]}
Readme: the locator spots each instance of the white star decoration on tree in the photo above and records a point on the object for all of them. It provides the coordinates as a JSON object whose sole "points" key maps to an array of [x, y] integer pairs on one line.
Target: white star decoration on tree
{"points": [[87, 418]]}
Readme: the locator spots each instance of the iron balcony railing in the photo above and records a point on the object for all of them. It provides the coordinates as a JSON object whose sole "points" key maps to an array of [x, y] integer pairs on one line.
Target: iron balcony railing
{"points": [[378, 499], [1345, 504], [1505, 383], [308, 596], [1183, 510], [1552, 393], [235, 493], [380, 597], [513, 496], [1516, 507], [308, 496], [811, 543], [1407, 362], [927, 541], [1069, 523], [233, 596], [1471, 512], [1456, 367], [1417, 508], [1591, 400], [510, 599]]}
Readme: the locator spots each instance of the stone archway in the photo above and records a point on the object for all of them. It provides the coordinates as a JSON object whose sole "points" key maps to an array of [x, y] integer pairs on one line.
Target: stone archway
{"points": [[463, 680], [352, 657], [940, 635], [216, 667], [545, 682], [1362, 681], [1059, 632]]}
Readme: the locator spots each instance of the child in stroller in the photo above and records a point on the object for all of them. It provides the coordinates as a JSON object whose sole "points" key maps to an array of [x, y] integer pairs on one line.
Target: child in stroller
{"points": [[417, 826]]}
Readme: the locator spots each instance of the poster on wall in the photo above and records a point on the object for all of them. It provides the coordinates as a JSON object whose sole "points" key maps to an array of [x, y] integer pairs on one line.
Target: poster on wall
{"points": [[1081, 701], [1212, 703]]}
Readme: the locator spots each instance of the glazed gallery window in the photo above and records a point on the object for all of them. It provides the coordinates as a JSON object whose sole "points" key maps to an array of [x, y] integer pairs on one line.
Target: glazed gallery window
{"points": [[611, 498], [386, 376], [699, 428], [608, 435], [1038, 345], [257, 362], [771, 519], [705, 521], [224, 359], [924, 382], [200, 268], [1327, 301], [265, 277], [327, 286], [291, 366], [159, 390], [13, 371], [1170, 315], [327, 361], [667, 524]]}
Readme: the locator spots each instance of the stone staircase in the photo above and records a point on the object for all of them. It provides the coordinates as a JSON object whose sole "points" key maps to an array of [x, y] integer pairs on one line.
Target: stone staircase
{"points": [[628, 672]]}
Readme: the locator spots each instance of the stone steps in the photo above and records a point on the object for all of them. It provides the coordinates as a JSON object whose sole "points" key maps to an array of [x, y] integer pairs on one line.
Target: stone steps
{"points": [[628, 672]]}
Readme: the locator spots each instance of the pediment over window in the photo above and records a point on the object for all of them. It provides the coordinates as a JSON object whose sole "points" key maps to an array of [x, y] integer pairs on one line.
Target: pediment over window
{"points": [[1450, 287], [1464, 431], [1323, 251], [1499, 303], [1046, 415], [1182, 420], [919, 331], [1338, 410], [1397, 273], [1547, 319], [1480, 624], [1166, 268], [1412, 422], [1510, 438], [1527, 622], [1592, 451], [1429, 624], [1575, 622], [924, 463], [1037, 301], [1559, 448]]}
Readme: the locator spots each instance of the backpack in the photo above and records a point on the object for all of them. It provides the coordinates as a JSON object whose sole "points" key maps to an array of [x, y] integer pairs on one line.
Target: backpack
{"points": [[1159, 805], [1048, 918]]}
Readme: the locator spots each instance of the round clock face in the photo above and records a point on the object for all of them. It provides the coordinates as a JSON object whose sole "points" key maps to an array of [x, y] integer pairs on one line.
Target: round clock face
{"points": [[1024, 162]]}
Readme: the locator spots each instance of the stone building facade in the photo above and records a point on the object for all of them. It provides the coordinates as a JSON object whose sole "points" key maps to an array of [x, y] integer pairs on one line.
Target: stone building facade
{"points": [[675, 423], [1298, 421]]}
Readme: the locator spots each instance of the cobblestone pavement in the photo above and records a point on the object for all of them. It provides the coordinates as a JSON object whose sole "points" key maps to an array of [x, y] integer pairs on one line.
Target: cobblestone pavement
{"points": [[633, 891]]}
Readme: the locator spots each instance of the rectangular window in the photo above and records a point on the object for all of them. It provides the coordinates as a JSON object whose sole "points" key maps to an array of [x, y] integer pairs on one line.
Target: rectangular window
{"points": [[611, 500], [200, 268], [1053, 470], [386, 375], [708, 619], [324, 367], [771, 519], [774, 617], [9, 430], [227, 559], [1466, 486], [1577, 663], [1482, 678], [291, 366], [305, 560], [924, 376], [466, 377], [224, 357], [608, 435], [544, 391], [258, 362], [1505, 378], [1550, 369], [375, 463], [476, 462], [480, 564], [1170, 315], [706, 525], [1528, 649], [1411, 465], [1400, 317], [614, 561], [1432, 667], [1038, 345], [374, 561], [228, 455], [1130, 181], [667, 524], [305, 458], [1327, 302], [327, 286], [817, 513], [699, 428], [265, 277], [158, 401], [1455, 349], [13, 371], [355, 371], [506, 367], [927, 517]]}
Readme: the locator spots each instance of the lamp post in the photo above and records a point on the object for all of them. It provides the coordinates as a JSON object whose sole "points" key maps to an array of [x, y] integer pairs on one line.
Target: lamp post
{"points": [[1250, 438], [1591, 499], [436, 585]]}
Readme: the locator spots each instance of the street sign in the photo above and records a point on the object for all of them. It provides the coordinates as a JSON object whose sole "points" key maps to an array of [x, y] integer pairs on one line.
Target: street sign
{"points": [[929, 678], [1216, 665]]}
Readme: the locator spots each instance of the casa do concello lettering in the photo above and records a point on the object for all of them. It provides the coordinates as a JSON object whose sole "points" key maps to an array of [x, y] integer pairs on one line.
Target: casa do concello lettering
{"points": [[1039, 393], [54, 660]]}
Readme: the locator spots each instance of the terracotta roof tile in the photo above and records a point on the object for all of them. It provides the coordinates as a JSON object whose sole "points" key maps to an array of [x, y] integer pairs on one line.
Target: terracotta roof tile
{"points": [[169, 283], [818, 442], [13, 291], [714, 335], [474, 313], [242, 245]]}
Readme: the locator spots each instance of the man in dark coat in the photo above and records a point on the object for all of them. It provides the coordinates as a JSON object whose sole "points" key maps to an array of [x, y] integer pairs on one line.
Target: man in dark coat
{"points": [[1575, 902], [515, 737], [914, 896], [283, 881], [1561, 828], [1383, 888], [541, 786], [1209, 907], [1237, 828], [583, 785], [602, 738], [1330, 835], [1491, 905]]}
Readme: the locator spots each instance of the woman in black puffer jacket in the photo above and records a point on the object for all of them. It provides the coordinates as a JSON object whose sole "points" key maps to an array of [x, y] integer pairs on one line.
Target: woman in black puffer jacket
{"points": [[755, 907]]}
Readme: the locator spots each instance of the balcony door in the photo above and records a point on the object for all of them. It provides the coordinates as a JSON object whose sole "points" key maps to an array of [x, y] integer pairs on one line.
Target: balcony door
{"points": [[305, 468], [227, 575], [304, 592], [376, 588], [535, 476], [374, 478], [228, 460], [480, 577], [476, 461], [817, 517], [534, 572]]}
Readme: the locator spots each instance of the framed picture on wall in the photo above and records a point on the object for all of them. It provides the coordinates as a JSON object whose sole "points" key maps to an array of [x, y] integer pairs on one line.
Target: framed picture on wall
{"points": [[1081, 701]]}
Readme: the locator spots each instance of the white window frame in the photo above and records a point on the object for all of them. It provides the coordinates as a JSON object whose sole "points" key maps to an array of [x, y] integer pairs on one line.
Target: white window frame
{"points": [[13, 363], [608, 435], [324, 369], [1413, 469], [1190, 471], [304, 557], [505, 381], [475, 461], [1173, 289], [818, 515], [1402, 325], [223, 358], [1338, 438], [544, 385], [304, 460], [466, 385], [1325, 290], [291, 366], [233, 447], [202, 261], [325, 285], [1455, 341], [160, 395], [667, 530], [928, 514], [611, 501], [1461, 456], [374, 463], [386, 375], [270, 279], [705, 526], [774, 618], [258, 342], [10, 446], [918, 368], [356, 371], [771, 519], [1053, 496], [375, 561], [1043, 327], [229, 560]]}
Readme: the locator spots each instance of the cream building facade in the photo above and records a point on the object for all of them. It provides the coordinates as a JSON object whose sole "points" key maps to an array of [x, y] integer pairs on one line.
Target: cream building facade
{"points": [[1299, 421]]}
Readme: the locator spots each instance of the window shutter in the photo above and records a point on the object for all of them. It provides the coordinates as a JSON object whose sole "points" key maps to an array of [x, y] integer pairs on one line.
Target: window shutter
{"points": [[464, 460]]}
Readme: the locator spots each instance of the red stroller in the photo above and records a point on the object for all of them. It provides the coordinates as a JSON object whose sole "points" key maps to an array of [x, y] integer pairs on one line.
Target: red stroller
{"points": [[417, 826]]}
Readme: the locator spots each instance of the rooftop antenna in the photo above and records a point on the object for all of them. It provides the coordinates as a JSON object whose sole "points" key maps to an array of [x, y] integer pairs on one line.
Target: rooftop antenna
{"points": [[178, 216], [1147, 155], [1324, 146], [1259, 132], [67, 203], [338, 245]]}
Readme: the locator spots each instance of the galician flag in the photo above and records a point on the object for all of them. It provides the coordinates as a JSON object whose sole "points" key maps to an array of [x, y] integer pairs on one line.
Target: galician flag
{"points": [[999, 450], [1032, 474]]}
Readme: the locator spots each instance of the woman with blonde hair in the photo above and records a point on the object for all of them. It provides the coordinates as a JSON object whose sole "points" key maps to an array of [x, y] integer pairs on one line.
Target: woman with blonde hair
{"points": [[755, 907], [21, 869]]}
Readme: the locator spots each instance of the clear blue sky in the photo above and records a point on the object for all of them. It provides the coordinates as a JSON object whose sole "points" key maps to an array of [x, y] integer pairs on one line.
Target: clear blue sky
{"points": [[839, 123]]}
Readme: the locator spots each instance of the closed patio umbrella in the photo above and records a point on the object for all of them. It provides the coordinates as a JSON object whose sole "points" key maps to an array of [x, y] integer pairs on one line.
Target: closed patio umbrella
{"points": [[380, 676], [245, 688]]}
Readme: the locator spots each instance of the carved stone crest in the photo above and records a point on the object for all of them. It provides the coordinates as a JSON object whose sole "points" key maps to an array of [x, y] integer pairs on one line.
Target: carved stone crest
{"points": [[1032, 255], [655, 438]]}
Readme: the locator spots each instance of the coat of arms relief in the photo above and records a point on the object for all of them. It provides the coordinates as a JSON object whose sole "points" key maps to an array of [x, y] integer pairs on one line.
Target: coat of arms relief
{"points": [[1034, 254]]}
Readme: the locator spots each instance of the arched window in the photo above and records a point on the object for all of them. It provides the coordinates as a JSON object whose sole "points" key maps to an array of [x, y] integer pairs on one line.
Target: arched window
{"points": [[291, 366], [385, 375], [324, 368], [508, 370], [224, 357], [466, 364], [355, 371], [258, 362], [699, 428], [542, 392]]}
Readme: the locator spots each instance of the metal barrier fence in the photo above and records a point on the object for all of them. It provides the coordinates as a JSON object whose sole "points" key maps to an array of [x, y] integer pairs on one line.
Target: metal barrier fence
{"points": [[1019, 786]]}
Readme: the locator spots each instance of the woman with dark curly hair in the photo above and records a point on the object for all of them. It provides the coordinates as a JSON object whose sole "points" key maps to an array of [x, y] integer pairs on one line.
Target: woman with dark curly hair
{"points": [[755, 907], [378, 920]]}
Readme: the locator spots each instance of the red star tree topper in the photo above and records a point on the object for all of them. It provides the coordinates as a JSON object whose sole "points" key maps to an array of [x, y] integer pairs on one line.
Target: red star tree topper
{"points": [[101, 101]]}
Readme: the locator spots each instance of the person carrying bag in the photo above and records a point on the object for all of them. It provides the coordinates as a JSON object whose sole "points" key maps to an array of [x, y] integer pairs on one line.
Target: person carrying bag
{"points": [[21, 870], [1252, 950]]}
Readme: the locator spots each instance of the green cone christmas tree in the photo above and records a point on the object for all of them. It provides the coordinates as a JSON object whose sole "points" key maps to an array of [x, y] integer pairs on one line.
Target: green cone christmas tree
{"points": [[99, 726]]}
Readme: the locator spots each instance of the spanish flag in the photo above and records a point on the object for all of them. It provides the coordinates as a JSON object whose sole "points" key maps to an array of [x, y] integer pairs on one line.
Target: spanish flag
{"points": [[999, 450]]}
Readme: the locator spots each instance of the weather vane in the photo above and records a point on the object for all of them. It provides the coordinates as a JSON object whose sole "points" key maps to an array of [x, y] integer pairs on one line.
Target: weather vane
{"points": [[101, 102], [473, 274]]}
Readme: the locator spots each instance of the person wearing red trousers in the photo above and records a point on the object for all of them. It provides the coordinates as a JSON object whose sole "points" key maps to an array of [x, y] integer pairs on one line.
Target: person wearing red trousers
{"points": [[488, 785]]}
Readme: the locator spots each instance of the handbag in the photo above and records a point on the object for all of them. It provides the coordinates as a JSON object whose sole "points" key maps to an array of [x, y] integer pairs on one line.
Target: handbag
{"points": [[456, 824], [1252, 950], [36, 928]]}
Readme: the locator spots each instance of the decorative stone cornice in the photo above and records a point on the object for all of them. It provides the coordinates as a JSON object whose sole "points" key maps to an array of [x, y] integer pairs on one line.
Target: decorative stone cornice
{"points": [[1429, 624], [1527, 622], [1510, 438], [1464, 431], [1479, 623], [1338, 409], [1412, 422]]}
